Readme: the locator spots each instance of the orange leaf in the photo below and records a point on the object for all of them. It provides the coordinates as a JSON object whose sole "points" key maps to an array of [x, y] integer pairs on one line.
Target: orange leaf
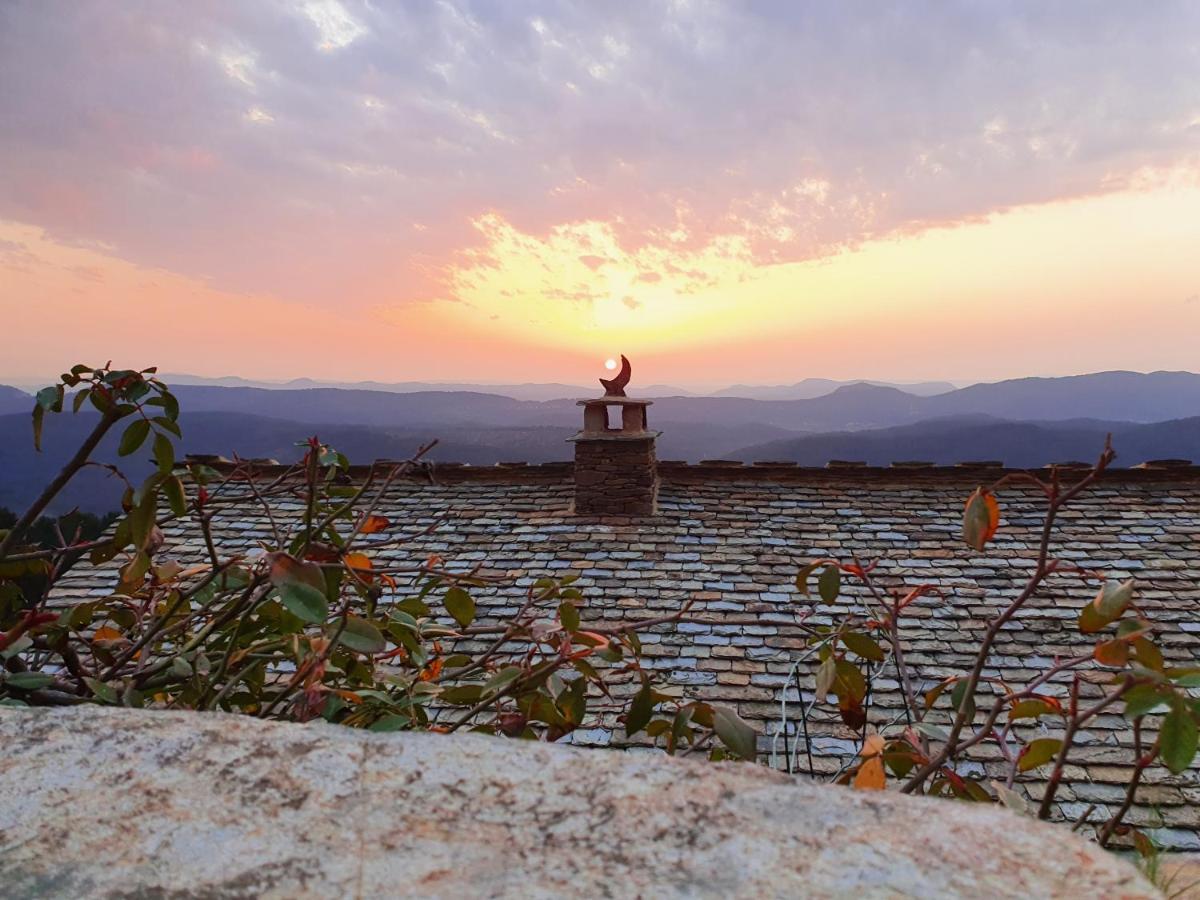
{"points": [[361, 564], [981, 518], [374, 524], [872, 746], [870, 775], [107, 633], [433, 670]]}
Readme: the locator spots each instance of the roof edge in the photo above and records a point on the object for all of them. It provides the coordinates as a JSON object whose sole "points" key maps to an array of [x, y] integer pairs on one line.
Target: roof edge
{"points": [[734, 470]]}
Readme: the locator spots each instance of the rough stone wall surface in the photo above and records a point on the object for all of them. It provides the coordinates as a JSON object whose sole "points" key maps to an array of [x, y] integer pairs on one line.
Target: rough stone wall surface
{"points": [[732, 541], [615, 477], [113, 803]]}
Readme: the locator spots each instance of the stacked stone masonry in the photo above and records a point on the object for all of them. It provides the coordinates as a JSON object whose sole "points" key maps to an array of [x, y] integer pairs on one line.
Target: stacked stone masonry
{"points": [[615, 476], [731, 539]]}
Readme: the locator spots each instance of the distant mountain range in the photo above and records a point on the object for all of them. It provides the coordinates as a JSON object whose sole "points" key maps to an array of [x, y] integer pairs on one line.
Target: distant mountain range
{"points": [[1024, 422], [801, 390], [974, 438], [1108, 396], [13, 400], [810, 388]]}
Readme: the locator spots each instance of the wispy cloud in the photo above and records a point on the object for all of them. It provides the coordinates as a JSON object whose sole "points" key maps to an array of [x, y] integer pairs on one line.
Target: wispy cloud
{"points": [[332, 150]]}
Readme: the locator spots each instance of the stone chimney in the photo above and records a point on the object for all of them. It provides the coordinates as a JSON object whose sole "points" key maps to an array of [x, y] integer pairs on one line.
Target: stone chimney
{"points": [[616, 473]]}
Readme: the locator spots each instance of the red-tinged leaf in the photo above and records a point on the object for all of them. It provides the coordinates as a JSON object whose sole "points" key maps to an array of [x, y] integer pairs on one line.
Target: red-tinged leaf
{"points": [[981, 518], [374, 524], [852, 712], [1038, 753], [1112, 653], [301, 587]]}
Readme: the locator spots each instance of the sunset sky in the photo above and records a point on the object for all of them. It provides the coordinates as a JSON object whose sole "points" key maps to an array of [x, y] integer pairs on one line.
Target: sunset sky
{"points": [[512, 191]]}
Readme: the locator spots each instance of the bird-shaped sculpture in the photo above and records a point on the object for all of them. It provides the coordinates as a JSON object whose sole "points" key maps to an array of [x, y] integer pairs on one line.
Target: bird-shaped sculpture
{"points": [[615, 387]]}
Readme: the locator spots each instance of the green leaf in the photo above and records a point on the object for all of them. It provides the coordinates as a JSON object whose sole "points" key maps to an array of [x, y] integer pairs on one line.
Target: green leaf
{"points": [[863, 645], [850, 685], [176, 498], [414, 606], [1143, 700], [164, 453], [960, 700], [1107, 606], [50, 398], [1038, 753], [803, 575], [826, 675], [39, 415], [462, 694], [641, 710], [1113, 597], [1187, 677], [1030, 709], [1012, 799], [1178, 737], [135, 435], [101, 691], [460, 605], [80, 397], [301, 588], [734, 733], [168, 425], [359, 634], [392, 723], [501, 680], [28, 681], [170, 405], [829, 583], [568, 615], [930, 730]]}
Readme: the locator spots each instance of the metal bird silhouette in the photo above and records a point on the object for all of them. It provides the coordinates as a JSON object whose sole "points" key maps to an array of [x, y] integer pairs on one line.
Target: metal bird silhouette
{"points": [[615, 387]]}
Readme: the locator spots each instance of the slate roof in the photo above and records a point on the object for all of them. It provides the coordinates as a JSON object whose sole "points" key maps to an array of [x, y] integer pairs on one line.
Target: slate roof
{"points": [[732, 538]]}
